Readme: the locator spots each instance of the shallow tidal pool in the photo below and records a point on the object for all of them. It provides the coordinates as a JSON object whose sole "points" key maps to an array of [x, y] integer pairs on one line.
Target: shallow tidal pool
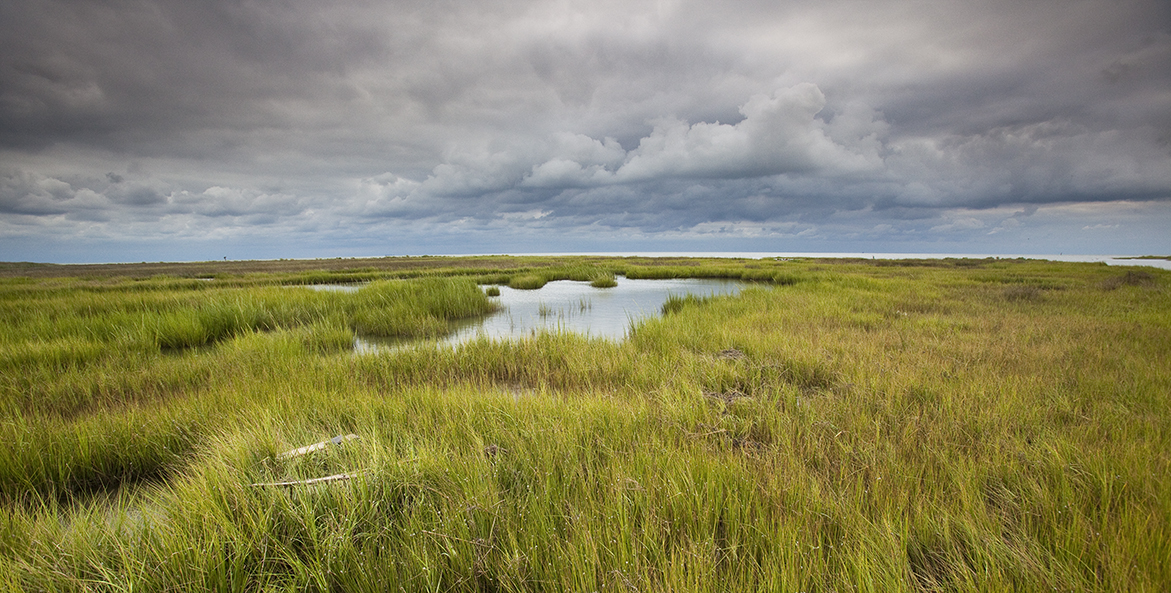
{"points": [[566, 305]]}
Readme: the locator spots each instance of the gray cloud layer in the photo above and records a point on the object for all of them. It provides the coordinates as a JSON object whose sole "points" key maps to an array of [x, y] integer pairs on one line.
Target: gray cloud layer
{"points": [[361, 125]]}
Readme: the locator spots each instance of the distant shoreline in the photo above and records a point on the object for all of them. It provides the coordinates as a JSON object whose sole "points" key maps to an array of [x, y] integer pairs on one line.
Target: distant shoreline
{"points": [[424, 262]]}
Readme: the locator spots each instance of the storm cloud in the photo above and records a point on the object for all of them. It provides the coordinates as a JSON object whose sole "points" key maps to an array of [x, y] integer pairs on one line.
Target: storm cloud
{"points": [[291, 128]]}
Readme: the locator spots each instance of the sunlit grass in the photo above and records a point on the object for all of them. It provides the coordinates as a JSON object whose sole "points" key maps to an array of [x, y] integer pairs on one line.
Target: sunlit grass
{"points": [[920, 426]]}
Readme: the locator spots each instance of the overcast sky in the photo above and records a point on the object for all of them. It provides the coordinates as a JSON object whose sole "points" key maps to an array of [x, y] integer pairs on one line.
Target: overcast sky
{"points": [[136, 130]]}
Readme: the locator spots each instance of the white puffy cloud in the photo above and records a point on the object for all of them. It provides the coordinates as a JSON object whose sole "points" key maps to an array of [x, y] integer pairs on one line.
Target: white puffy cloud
{"points": [[778, 134]]}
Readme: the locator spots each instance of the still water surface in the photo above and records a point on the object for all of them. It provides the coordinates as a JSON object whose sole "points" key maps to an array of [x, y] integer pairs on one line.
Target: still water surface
{"points": [[565, 305]]}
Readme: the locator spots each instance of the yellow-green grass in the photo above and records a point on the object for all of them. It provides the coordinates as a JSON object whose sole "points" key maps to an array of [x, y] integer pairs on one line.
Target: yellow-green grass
{"points": [[527, 282], [878, 426], [604, 280]]}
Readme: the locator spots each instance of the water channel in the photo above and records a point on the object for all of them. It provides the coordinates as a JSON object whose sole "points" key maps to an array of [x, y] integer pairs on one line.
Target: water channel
{"points": [[566, 305]]}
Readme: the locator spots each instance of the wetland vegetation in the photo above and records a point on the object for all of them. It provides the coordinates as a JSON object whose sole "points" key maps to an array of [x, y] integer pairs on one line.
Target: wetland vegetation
{"points": [[837, 425]]}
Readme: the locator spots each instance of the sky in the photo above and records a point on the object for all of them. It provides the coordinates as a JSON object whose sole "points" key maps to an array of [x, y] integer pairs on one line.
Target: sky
{"points": [[179, 130]]}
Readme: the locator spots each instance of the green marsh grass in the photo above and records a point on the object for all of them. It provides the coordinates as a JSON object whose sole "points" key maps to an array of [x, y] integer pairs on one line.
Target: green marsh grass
{"points": [[604, 280], [925, 426], [527, 282]]}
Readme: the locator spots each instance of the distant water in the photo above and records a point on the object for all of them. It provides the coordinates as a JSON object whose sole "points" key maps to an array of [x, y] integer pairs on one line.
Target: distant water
{"points": [[1113, 260]]}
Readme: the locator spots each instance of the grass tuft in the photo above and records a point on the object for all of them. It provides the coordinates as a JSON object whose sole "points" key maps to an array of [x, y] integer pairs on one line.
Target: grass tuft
{"points": [[604, 281], [527, 282]]}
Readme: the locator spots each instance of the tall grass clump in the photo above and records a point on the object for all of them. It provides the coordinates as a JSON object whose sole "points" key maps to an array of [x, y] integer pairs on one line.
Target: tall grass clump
{"points": [[527, 282], [416, 308], [604, 281], [676, 303]]}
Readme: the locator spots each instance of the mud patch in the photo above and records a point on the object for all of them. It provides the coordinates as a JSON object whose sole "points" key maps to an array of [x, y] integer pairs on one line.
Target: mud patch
{"points": [[731, 354]]}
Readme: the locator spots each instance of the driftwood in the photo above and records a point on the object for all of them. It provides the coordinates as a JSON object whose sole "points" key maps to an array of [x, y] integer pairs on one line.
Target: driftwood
{"points": [[310, 482], [307, 449]]}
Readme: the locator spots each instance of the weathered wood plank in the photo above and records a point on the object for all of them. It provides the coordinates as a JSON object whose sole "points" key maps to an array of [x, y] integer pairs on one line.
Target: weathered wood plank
{"points": [[307, 449], [309, 482]]}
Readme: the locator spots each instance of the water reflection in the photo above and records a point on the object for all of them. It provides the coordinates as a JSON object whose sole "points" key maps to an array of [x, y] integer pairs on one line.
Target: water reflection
{"points": [[571, 306]]}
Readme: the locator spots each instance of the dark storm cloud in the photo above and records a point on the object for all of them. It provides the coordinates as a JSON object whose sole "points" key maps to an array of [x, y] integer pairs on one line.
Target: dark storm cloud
{"points": [[187, 78], [175, 118]]}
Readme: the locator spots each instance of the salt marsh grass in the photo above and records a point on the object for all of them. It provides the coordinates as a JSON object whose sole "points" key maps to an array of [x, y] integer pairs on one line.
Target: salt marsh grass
{"points": [[910, 426], [528, 282], [603, 281]]}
